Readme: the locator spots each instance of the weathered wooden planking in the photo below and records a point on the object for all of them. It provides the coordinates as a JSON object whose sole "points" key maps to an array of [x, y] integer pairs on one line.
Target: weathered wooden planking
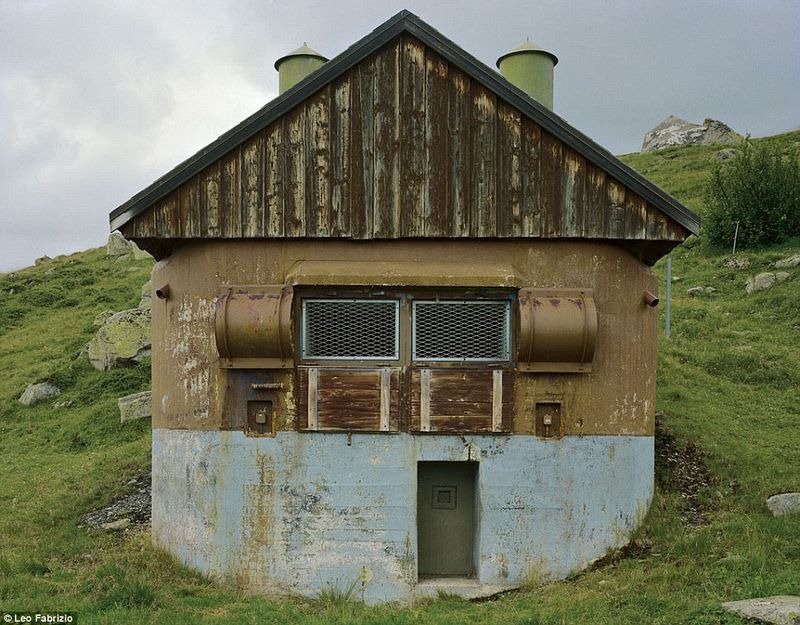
{"points": [[596, 211], [295, 174], [635, 216], [209, 200], [143, 226], [230, 196], [440, 423], [355, 164], [657, 224], [252, 168], [274, 159], [550, 188], [573, 188], [168, 215], [386, 133], [459, 165], [530, 165], [483, 158], [348, 399], [413, 155], [437, 211], [615, 217], [509, 173], [340, 158], [404, 145], [362, 153], [317, 160], [458, 400]]}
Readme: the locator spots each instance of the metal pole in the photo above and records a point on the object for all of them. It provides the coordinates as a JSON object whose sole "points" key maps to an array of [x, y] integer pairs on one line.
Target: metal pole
{"points": [[669, 294], [735, 236]]}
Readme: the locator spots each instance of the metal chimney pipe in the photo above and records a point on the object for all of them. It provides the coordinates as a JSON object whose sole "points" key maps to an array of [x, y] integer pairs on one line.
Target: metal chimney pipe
{"points": [[296, 65], [530, 68]]}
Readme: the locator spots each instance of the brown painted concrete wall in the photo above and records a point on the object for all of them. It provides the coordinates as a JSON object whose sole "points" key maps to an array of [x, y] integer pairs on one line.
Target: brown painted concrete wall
{"points": [[616, 397]]}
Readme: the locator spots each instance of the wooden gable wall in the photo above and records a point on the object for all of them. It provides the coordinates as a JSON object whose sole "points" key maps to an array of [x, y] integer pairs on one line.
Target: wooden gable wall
{"points": [[404, 144]]}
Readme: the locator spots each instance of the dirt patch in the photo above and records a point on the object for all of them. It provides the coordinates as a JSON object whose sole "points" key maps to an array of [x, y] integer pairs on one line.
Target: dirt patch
{"points": [[132, 508], [680, 468]]}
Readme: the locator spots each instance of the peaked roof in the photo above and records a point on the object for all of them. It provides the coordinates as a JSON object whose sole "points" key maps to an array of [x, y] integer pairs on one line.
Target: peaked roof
{"points": [[406, 22]]}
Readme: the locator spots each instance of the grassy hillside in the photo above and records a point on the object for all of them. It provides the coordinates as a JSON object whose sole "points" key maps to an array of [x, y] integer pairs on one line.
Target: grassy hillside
{"points": [[729, 392], [682, 171]]}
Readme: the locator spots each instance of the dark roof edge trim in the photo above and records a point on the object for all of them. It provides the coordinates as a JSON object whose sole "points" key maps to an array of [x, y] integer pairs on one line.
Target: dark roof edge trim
{"points": [[406, 21]]}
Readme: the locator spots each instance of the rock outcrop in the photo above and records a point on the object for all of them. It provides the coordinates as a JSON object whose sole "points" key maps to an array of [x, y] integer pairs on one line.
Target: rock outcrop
{"points": [[136, 406], [780, 610], [123, 338], [784, 503], [674, 131], [788, 262], [38, 392], [123, 249], [764, 281]]}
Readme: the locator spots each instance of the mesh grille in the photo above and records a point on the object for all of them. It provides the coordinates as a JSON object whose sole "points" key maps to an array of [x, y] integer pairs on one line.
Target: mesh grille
{"points": [[461, 330], [354, 329]]}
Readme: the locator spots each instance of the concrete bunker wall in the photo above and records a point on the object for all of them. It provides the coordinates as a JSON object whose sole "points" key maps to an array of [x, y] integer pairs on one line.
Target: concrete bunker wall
{"points": [[300, 511]]}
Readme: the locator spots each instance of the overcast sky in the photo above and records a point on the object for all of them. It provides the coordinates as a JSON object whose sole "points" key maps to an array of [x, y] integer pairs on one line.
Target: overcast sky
{"points": [[98, 98]]}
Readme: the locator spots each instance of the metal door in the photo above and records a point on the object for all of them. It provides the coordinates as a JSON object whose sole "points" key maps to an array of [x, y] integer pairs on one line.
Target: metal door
{"points": [[446, 518]]}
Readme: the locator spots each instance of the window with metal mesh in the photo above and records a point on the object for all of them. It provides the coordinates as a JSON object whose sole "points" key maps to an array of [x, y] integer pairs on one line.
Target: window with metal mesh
{"points": [[349, 329], [461, 330]]}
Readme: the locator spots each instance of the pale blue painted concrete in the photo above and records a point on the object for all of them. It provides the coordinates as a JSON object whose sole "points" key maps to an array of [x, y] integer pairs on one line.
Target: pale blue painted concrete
{"points": [[302, 511]]}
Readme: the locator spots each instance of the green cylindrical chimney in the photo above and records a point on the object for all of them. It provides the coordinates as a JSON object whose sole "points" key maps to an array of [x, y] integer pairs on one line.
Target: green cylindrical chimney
{"points": [[295, 66], [530, 68]]}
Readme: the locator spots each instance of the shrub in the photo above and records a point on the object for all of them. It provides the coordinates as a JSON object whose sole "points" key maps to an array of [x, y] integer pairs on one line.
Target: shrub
{"points": [[760, 188]]}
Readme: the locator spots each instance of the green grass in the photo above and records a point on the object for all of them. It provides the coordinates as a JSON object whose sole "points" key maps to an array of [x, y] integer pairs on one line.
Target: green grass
{"points": [[729, 381]]}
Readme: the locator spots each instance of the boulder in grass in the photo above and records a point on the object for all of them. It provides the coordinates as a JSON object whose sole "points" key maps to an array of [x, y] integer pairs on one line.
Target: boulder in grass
{"points": [[780, 610], [784, 503], [38, 392], [764, 281], [788, 262], [119, 247], [123, 339], [136, 406]]}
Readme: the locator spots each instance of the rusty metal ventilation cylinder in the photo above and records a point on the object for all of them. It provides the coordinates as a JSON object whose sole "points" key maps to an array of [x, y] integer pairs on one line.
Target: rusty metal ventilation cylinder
{"points": [[253, 327], [558, 330]]}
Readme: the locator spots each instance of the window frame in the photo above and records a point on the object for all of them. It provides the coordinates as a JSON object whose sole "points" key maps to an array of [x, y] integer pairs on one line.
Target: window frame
{"points": [[337, 359], [507, 327], [406, 296]]}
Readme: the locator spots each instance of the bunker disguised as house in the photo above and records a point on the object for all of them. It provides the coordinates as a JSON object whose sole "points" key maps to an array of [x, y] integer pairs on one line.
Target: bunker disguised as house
{"points": [[405, 330]]}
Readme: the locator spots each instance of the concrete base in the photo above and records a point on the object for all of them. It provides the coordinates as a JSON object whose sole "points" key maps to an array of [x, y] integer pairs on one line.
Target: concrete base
{"points": [[302, 512]]}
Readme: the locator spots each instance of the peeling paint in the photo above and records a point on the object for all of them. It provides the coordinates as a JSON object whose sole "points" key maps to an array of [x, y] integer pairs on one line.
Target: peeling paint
{"points": [[302, 511]]}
